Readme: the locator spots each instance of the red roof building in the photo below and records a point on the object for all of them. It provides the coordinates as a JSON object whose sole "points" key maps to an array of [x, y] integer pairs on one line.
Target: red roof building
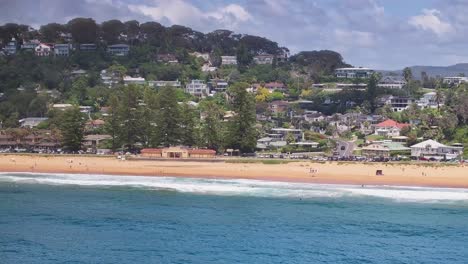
{"points": [[389, 123]]}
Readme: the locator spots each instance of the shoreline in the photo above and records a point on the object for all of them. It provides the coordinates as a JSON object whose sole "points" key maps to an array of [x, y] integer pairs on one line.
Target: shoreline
{"points": [[411, 175]]}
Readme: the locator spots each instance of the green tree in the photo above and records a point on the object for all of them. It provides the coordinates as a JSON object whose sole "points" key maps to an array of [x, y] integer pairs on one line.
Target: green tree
{"points": [[371, 92], [71, 126], [242, 133], [244, 58], [83, 30], [212, 131], [168, 118]]}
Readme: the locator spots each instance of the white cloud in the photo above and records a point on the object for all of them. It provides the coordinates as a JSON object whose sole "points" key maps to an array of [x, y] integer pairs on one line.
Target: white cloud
{"points": [[430, 21], [184, 13], [354, 38]]}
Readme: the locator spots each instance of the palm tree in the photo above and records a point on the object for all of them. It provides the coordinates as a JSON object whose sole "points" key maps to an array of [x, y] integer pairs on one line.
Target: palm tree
{"points": [[439, 97]]}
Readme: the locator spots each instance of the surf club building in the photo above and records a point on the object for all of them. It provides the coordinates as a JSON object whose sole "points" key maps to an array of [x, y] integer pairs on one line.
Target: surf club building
{"points": [[178, 153]]}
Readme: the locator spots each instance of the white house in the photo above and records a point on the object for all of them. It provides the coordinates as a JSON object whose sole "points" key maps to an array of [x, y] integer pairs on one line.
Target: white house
{"points": [[118, 49], [204, 56], [62, 49], [207, 68], [197, 88], [428, 100], [263, 59], [353, 72], [228, 60], [389, 128], [42, 50], [62, 106], [433, 149], [392, 82], [133, 80], [11, 48], [455, 80], [218, 85], [160, 84], [31, 122]]}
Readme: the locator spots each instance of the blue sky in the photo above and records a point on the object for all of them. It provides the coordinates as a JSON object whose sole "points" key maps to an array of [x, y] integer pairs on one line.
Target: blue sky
{"points": [[383, 34]]}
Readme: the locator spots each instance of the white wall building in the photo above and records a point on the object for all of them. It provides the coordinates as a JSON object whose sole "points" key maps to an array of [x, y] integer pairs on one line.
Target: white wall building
{"points": [[42, 50], [353, 72], [391, 82], [197, 88], [433, 149], [455, 80], [228, 60], [62, 49], [160, 84], [133, 80]]}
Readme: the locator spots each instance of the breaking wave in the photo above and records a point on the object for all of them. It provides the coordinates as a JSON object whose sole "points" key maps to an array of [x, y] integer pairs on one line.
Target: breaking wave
{"points": [[242, 187]]}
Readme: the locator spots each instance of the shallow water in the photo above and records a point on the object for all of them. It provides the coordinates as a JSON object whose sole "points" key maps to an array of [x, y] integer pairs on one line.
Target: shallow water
{"points": [[59, 218]]}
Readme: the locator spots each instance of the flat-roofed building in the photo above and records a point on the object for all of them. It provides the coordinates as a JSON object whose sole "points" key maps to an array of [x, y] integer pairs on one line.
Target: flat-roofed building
{"points": [[350, 73]]}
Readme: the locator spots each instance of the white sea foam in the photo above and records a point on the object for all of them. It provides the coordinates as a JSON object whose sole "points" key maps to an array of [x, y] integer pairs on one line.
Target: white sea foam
{"points": [[244, 187]]}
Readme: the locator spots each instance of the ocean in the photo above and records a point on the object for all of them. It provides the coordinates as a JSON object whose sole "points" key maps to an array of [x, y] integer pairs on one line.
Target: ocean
{"points": [[60, 218]]}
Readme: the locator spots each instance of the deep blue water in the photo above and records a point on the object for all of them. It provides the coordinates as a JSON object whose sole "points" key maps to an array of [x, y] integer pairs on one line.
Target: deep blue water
{"points": [[53, 221]]}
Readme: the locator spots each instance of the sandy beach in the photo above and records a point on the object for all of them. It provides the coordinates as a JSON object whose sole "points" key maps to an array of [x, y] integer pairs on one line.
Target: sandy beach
{"points": [[328, 172]]}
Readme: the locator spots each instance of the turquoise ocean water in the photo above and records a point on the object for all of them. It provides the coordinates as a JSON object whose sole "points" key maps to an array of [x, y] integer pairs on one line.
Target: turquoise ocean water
{"points": [[59, 218]]}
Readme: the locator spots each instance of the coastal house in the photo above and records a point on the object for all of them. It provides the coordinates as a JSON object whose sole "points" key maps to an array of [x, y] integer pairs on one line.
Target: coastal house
{"points": [[282, 133], [275, 86], [351, 73], [208, 68], [384, 149], [118, 49], [178, 153], [62, 50], [389, 128], [228, 60], [62, 107], [218, 85], [31, 122], [11, 47], [433, 149], [87, 47], [43, 50], [109, 79], [392, 82], [263, 59], [30, 45], [204, 56], [91, 142], [397, 103], [166, 58], [197, 88], [134, 80], [455, 80], [37, 140], [429, 100], [278, 106], [160, 84]]}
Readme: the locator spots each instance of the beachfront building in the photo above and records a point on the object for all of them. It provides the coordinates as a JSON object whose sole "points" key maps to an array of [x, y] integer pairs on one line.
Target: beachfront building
{"points": [[118, 49], [351, 73], [282, 133], [197, 88], [30, 122], [228, 60], [433, 149], [455, 80], [42, 50], [384, 149], [37, 140], [178, 153], [62, 50], [389, 128], [160, 84]]}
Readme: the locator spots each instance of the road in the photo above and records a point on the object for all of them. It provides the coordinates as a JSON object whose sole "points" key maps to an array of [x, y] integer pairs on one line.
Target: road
{"points": [[345, 148]]}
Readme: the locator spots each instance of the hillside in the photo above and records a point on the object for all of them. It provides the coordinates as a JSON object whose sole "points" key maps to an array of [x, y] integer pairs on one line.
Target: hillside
{"points": [[435, 71]]}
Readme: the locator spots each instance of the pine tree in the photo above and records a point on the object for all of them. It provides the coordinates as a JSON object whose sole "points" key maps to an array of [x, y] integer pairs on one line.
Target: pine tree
{"points": [[242, 133], [72, 129], [167, 119]]}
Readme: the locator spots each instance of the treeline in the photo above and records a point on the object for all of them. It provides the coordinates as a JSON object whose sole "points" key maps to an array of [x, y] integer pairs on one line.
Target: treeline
{"points": [[142, 117], [166, 39]]}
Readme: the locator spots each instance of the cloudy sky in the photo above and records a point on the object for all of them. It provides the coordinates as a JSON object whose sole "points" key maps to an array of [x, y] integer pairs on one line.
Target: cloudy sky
{"points": [[384, 34]]}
